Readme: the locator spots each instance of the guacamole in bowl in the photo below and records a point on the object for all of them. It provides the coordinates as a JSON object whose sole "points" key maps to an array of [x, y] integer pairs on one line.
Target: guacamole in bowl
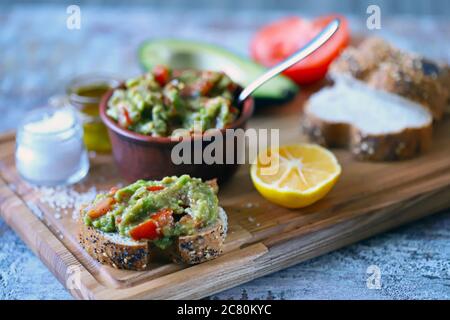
{"points": [[147, 117], [166, 102]]}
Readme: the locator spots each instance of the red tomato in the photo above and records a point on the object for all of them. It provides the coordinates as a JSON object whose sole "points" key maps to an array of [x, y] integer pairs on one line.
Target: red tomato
{"points": [[146, 230], [124, 118], [277, 41], [204, 87], [161, 74], [155, 188], [163, 217], [113, 190], [101, 208], [151, 229]]}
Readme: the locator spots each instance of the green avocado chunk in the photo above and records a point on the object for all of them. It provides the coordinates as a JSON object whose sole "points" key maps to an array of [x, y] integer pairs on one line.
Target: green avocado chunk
{"points": [[181, 54], [192, 204]]}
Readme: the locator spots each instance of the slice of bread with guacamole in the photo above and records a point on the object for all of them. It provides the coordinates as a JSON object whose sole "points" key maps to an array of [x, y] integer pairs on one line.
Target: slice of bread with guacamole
{"points": [[177, 218]]}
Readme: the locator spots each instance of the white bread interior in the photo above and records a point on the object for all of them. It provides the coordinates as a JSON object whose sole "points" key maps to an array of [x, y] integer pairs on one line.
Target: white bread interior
{"points": [[372, 111]]}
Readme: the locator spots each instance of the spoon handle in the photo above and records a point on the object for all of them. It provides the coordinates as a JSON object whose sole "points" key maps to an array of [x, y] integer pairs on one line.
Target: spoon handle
{"points": [[301, 54]]}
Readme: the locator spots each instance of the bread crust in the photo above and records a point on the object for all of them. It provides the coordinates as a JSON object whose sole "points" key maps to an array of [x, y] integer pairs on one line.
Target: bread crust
{"points": [[362, 60], [401, 145], [137, 255], [201, 247], [412, 84], [386, 68], [101, 246]]}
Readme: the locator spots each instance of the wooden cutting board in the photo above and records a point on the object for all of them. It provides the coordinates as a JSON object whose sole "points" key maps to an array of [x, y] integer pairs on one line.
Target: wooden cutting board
{"points": [[369, 198]]}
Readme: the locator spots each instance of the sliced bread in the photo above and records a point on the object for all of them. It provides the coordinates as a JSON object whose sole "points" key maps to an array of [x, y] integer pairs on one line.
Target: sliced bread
{"points": [[124, 253], [387, 68], [375, 125]]}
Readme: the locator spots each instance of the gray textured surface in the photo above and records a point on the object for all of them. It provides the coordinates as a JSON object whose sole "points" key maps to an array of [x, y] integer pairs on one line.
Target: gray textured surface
{"points": [[389, 7], [38, 54]]}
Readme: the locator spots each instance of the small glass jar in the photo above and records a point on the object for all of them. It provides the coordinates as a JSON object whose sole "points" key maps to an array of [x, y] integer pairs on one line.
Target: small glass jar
{"points": [[85, 93], [50, 148]]}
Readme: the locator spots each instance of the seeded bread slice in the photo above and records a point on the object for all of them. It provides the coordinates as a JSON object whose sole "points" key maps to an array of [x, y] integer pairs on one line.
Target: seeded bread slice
{"points": [[373, 124], [203, 246], [113, 249], [124, 253], [387, 68]]}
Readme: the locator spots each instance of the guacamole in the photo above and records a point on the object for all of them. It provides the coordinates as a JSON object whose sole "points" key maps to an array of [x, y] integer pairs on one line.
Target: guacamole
{"points": [[155, 210], [162, 102]]}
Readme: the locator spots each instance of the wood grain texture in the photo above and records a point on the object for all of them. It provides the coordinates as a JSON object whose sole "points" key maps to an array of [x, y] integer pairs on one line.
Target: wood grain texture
{"points": [[368, 199], [39, 55]]}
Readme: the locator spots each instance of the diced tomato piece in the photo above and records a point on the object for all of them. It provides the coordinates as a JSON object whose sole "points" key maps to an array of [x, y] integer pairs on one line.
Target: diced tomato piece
{"points": [[101, 208], [155, 188], [146, 230], [161, 74], [205, 86], [232, 86], [151, 229], [163, 217], [113, 191], [124, 119], [128, 121], [118, 220], [233, 109]]}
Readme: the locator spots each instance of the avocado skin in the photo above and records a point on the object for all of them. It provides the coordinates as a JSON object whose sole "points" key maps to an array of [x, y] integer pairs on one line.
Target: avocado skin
{"points": [[267, 101], [181, 53]]}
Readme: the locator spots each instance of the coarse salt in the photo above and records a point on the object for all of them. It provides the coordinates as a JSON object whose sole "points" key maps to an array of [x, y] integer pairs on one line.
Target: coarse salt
{"points": [[50, 149], [64, 199], [58, 121]]}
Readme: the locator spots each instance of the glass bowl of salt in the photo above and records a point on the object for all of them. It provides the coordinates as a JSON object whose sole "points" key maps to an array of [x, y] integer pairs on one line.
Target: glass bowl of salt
{"points": [[49, 147]]}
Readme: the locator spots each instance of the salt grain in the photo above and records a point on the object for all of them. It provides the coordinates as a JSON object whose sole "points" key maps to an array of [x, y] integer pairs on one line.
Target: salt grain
{"points": [[64, 199], [250, 205]]}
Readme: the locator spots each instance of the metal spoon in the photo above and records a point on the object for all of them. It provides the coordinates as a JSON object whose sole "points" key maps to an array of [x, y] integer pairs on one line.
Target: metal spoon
{"points": [[301, 54]]}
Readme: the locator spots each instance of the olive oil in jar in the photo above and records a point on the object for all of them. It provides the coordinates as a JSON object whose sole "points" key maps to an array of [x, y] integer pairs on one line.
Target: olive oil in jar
{"points": [[85, 94]]}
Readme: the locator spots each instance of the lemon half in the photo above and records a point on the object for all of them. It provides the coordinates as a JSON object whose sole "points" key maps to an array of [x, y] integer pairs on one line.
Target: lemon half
{"points": [[295, 176]]}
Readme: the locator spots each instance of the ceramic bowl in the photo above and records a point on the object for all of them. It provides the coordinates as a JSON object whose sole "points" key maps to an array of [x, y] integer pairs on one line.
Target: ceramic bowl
{"points": [[140, 156]]}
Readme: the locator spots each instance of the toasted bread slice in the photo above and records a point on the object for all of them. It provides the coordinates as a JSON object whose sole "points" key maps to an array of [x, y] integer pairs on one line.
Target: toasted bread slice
{"points": [[375, 125], [124, 253], [203, 246], [113, 249], [387, 68], [362, 60]]}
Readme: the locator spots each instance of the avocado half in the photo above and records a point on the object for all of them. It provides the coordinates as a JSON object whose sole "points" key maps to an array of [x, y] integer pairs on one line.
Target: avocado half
{"points": [[180, 54]]}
